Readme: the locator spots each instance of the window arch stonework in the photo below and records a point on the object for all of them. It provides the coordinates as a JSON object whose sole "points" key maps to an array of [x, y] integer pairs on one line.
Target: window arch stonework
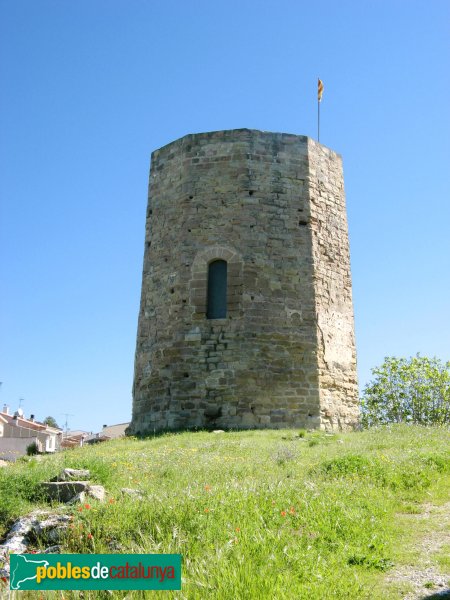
{"points": [[199, 280]]}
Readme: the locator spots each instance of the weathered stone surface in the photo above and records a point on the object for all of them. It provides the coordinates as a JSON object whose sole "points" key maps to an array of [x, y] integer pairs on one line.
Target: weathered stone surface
{"points": [[97, 492], [81, 497], [272, 206], [40, 524], [73, 475], [63, 491]]}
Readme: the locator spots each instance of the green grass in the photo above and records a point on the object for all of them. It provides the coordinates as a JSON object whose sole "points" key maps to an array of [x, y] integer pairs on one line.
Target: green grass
{"points": [[257, 514], [443, 558]]}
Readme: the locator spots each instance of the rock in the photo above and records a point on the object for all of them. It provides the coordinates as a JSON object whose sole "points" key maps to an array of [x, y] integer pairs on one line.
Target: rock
{"points": [[15, 545], [133, 493], [72, 475], [51, 528], [97, 492], [218, 431], [81, 497], [63, 491], [39, 524], [50, 521]]}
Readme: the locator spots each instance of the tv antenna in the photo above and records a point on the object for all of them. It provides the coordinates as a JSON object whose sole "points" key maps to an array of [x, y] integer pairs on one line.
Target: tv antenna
{"points": [[66, 423]]}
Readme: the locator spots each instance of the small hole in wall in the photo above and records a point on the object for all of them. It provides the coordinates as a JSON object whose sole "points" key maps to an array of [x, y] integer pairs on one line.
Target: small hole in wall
{"points": [[309, 414], [251, 226], [252, 297], [149, 244], [189, 230], [250, 193], [150, 212], [185, 374], [191, 197], [300, 210], [172, 290], [184, 300], [303, 223]]}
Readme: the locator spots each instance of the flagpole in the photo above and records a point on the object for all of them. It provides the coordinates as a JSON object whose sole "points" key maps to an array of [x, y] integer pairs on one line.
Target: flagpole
{"points": [[318, 120]]}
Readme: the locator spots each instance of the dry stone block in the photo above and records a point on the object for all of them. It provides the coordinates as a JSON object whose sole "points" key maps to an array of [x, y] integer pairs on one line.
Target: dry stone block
{"points": [[63, 491], [73, 475], [97, 492]]}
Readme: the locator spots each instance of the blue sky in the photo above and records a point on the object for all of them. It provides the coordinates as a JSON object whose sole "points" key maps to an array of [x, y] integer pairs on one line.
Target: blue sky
{"points": [[88, 88]]}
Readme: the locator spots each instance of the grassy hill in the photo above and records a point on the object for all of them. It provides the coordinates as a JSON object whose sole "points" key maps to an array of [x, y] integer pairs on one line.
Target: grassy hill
{"points": [[257, 514]]}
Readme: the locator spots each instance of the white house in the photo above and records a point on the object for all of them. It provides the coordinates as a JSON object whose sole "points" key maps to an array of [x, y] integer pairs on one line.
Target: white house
{"points": [[17, 433]]}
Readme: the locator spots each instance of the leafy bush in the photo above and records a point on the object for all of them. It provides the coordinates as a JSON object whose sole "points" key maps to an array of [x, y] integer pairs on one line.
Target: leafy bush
{"points": [[32, 449], [415, 390]]}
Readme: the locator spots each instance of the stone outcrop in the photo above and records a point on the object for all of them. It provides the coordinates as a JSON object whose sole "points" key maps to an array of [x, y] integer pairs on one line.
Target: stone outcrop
{"points": [[73, 475], [39, 523], [65, 487], [271, 206], [63, 491]]}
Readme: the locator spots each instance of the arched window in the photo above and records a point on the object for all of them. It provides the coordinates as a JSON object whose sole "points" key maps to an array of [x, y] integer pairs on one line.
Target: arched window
{"points": [[217, 290]]}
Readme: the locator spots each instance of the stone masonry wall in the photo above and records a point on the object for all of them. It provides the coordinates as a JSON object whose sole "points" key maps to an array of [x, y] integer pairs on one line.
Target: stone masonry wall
{"points": [[259, 201], [336, 351]]}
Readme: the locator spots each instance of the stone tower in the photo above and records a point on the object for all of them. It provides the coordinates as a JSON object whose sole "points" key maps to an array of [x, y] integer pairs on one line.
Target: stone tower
{"points": [[246, 316]]}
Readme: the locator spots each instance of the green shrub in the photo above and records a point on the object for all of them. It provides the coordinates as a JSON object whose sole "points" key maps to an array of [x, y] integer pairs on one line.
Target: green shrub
{"points": [[414, 390], [32, 449]]}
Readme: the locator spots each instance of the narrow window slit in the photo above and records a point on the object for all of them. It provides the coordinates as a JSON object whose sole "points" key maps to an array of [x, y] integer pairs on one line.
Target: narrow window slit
{"points": [[217, 290]]}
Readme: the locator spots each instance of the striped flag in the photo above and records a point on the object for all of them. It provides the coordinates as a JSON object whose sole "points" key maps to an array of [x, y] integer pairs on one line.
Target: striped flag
{"points": [[319, 90]]}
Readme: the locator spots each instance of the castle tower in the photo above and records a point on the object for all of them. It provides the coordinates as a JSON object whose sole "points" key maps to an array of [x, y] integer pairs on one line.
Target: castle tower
{"points": [[246, 316]]}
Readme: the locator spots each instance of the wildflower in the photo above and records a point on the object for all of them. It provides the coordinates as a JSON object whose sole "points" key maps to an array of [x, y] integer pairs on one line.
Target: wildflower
{"points": [[283, 513], [89, 536], [111, 500], [206, 510], [87, 506], [207, 488], [238, 529], [292, 511], [80, 508]]}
